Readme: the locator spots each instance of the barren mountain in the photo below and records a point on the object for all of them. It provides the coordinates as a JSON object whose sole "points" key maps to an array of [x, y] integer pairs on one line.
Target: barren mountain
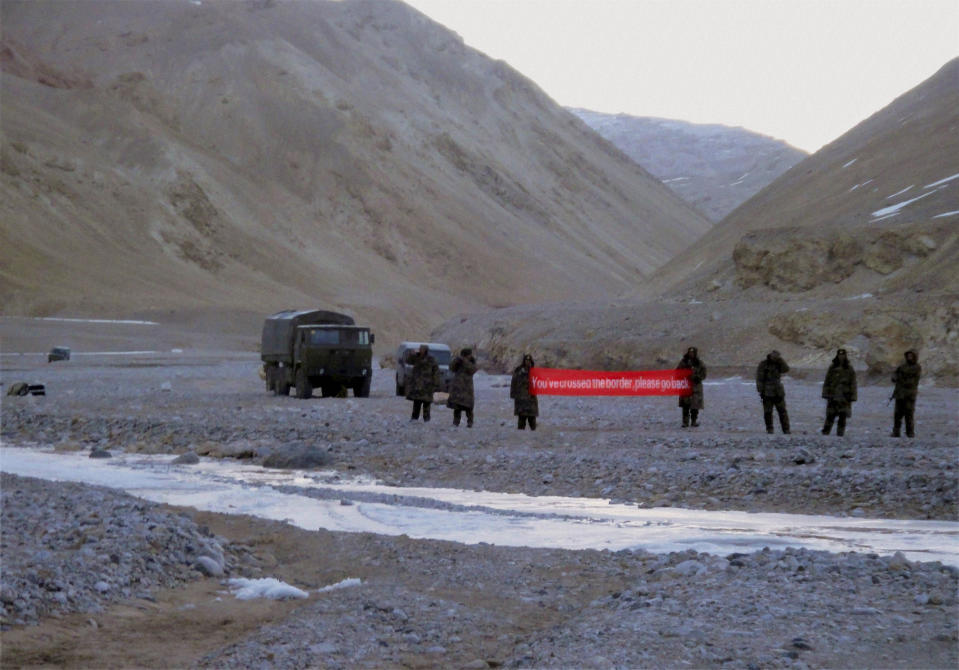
{"points": [[217, 160], [855, 246], [715, 168]]}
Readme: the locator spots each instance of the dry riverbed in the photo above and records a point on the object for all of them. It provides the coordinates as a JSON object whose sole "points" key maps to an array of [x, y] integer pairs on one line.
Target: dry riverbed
{"points": [[424, 603]]}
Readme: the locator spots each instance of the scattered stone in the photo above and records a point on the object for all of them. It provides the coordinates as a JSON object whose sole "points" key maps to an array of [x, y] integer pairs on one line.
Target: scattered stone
{"points": [[298, 457], [189, 458]]}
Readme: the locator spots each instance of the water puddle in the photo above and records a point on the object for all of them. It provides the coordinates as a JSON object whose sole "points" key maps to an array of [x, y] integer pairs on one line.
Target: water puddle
{"points": [[314, 500]]}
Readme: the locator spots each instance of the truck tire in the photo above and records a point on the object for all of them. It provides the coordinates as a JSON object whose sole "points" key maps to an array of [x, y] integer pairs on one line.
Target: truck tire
{"points": [[304, 389], [361, 387], [400, 389], [282, 388]]}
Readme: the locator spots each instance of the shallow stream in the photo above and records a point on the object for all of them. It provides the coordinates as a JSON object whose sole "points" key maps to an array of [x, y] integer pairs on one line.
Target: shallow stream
{"points": [[314, 500]]}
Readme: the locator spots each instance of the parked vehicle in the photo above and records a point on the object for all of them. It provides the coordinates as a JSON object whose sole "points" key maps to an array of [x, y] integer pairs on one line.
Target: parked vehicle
{"points": [[58, 354], [442, 354], [308, 349]]}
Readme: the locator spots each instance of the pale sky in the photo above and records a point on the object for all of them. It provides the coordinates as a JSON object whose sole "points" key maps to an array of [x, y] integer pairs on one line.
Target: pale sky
{"points": [[804, 71]]}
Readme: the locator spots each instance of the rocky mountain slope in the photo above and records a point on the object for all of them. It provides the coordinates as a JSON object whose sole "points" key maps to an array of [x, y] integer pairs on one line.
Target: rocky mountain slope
{"points": [[715, 168], [215, 161], [855, 246]]}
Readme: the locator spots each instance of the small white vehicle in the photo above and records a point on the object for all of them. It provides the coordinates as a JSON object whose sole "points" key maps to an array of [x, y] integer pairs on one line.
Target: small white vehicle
{"points": [[440, 352]]}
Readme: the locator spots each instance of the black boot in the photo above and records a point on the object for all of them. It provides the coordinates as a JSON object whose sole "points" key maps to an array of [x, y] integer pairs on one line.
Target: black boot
{"points": [[827, 427], [521, 422], [685, 417], [768, 418], [910, 426], [841, 425], [694, 415], [532, 423]]}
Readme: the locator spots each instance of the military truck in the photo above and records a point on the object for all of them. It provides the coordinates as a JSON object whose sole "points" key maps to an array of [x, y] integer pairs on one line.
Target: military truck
{"points": [[309, 349]]}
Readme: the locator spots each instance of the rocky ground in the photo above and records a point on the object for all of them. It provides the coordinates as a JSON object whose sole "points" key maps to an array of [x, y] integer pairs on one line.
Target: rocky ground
{"points": [[94, 577]]}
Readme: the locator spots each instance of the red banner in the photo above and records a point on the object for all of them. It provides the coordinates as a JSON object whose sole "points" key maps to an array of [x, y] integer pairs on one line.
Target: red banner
{"points": [[552, 381]]}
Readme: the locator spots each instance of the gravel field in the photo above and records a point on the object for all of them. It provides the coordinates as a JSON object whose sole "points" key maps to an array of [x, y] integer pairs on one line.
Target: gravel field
{"points": [[95, 577]]}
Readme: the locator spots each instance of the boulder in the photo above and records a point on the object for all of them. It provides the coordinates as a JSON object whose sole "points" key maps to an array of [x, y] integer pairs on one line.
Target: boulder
{"points": [[298, 456]]}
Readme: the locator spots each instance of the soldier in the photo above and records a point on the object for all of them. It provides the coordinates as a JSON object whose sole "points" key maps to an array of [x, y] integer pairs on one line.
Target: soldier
{"points": [[906, 379], [423, 380], [461, 388], [525, 404], [771, 391], [839, 389], [691, 404]]}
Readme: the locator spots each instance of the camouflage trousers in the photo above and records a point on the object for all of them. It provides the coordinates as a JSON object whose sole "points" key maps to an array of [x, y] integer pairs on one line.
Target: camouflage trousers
{"points": [[779, 404], [905, 409], [458, 411], [416, 410], [836, 410]]}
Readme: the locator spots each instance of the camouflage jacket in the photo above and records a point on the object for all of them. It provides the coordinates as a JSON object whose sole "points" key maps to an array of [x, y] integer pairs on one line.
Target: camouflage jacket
{"points": [[696, 400], [524, 402], [840, 384], [423, 379], [906, 379], [461, 388], [768, 378]]}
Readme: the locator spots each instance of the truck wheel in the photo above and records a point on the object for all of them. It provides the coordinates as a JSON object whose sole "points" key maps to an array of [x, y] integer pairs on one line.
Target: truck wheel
{"points": [[361, 388], [400, 389], [304, 389]]}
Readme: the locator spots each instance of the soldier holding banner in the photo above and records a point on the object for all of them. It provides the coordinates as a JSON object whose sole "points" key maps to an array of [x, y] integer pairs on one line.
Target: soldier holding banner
{"points": [[525, 404], [691, 404]]}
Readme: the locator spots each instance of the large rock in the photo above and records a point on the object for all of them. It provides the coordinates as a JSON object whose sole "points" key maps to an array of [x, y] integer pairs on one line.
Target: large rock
{"points": [[298, 456]]}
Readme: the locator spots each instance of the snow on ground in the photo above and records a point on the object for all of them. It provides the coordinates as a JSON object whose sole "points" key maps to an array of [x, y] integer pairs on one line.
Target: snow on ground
{"points": [[942, 181], [266, 587], [124, 321], [890, 197], [894, 209]]}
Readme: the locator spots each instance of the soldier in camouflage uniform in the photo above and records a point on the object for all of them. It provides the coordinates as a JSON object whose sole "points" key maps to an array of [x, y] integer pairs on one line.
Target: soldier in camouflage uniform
{"points": [[691, 404], [839, 390], [770, 387], [525, 404], [461, 388], [906, 379], [423, 381]]}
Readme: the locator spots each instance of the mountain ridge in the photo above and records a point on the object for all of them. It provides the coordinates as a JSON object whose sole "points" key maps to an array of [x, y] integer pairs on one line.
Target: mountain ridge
{"points": [[248, 157], [713, 167]]}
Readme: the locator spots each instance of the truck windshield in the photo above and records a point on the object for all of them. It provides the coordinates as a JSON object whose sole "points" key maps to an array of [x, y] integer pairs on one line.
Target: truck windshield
{"points": [[328, 336], [442, 357]]}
